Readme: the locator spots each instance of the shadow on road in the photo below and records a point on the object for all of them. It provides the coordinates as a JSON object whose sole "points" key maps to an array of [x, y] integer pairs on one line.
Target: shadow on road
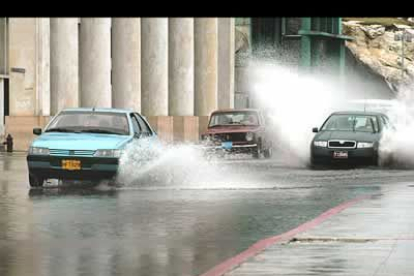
{"points": [[72, 190]]}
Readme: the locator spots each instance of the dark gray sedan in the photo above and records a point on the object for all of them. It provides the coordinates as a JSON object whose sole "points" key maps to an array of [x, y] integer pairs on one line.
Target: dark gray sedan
{"points": [[348, 137]]}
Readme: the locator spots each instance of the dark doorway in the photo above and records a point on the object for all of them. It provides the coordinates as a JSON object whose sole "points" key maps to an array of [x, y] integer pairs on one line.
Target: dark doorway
{"points": [[6, 99]]}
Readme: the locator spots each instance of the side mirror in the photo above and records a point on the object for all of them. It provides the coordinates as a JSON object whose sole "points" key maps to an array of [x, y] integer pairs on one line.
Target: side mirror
{"points": [[37, 131], [315, 130], [137, 135]]}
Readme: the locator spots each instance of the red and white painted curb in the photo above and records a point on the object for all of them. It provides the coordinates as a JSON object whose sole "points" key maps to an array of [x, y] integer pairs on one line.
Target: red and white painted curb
{"points": [[259, 246]]}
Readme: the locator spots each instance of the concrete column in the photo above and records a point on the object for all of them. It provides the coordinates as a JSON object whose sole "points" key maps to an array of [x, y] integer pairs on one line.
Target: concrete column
{"points": [[181, 67], [1, 107], [154, 64], [226, 54], [95, 62], [64, 63], [126, 63], [206, 46], [43, 66], [22, 62]]}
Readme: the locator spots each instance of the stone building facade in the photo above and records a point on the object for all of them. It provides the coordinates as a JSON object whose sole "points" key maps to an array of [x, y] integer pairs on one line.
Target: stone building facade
{"points": [[175, 71]]}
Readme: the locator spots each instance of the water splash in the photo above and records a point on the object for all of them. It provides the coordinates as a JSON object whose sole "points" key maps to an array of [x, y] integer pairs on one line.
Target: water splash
{"points": [[295, 104], [397, 143], [148, 164]]}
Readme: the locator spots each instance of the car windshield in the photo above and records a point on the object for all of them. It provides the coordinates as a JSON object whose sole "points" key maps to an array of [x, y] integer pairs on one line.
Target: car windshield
{"points": [[234, 118], [352, 123], [94, 122]]}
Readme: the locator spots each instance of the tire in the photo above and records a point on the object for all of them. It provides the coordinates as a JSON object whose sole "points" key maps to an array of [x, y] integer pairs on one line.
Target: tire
{"points": [[376, 161], [35, 181], [256, 153], [267, 153], [313, 165], [258, 149]]}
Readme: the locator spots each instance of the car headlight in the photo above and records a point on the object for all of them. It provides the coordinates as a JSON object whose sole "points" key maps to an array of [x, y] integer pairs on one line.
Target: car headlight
{"points": [[364, 145], [38, 151], [108, 153], [322, 144], [249, 136]]}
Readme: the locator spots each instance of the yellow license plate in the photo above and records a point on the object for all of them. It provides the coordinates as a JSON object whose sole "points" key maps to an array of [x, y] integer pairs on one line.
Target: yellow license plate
{"points": [[71, 165]]}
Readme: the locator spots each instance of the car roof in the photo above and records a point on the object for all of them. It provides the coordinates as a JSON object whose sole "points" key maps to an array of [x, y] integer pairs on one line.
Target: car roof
{"points": [[98, 109], [236, 110], [369, 113]]}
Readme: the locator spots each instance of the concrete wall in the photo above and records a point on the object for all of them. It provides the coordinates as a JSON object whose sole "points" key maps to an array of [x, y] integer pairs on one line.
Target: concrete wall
{"points": [[21, 129], [22, 60]]}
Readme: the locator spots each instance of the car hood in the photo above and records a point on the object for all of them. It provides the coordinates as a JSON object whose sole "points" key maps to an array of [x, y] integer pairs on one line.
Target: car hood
{"points": [[80, 141], [231, 129], [347, 135]]}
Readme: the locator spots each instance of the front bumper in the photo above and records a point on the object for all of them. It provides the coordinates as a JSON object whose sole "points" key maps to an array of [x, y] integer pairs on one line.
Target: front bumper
{"points": [[235, 148], [321, 155], [92, 168]]}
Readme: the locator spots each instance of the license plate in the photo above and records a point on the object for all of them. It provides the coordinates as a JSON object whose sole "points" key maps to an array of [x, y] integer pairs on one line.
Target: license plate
{"points": [[71, 165], [340, 154], [227, 145]]}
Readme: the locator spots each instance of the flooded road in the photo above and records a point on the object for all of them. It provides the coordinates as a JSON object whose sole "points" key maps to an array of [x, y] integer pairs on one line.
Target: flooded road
{"points": [[165, 225]]}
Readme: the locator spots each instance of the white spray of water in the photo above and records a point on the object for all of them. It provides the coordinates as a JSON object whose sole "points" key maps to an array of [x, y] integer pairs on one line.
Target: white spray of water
{"points": [[397, 143], [153, 164], [296, 103]]}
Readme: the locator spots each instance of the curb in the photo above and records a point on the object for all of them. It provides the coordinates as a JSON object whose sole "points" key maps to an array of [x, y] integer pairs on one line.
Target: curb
{"points": [[259, 246]]}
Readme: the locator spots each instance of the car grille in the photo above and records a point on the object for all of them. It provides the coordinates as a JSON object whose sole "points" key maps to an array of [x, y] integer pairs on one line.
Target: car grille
{"points": [[342, 144], [60, 152], [227, 137]]}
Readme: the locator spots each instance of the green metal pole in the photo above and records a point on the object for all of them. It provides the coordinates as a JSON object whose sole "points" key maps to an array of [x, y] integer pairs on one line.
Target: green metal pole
{"points": [[341, 51], [306, 46]]}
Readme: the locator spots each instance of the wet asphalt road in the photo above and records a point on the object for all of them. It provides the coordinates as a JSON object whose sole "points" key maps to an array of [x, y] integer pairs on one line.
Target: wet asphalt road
{"points": [[168, 224]]}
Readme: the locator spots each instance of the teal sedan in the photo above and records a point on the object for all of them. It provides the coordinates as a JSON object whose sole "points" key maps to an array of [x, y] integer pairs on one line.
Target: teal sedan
{"points": [[84, 144]]}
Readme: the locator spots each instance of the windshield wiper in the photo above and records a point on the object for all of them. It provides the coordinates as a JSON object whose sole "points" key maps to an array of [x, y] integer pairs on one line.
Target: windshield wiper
{"points": [[99, 130], [59, 129]]}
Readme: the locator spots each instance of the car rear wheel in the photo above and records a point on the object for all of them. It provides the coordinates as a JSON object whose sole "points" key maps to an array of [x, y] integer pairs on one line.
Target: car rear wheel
{"points": [[35, 181]]}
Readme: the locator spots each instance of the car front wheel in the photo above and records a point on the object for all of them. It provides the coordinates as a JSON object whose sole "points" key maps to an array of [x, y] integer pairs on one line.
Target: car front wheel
{"points": [[267, 153], [35, 181], [258, 149]]}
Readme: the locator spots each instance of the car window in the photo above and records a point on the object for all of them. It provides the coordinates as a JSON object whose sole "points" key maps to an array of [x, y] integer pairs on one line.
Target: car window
{"points": [[352, 123], [81, 121], [135, 125], [231, 118], [144, 126], [384, 121]]}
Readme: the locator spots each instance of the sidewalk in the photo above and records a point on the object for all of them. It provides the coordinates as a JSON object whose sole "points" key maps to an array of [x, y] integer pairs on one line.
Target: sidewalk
{"points": [[14, 153], [373, 235]]}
